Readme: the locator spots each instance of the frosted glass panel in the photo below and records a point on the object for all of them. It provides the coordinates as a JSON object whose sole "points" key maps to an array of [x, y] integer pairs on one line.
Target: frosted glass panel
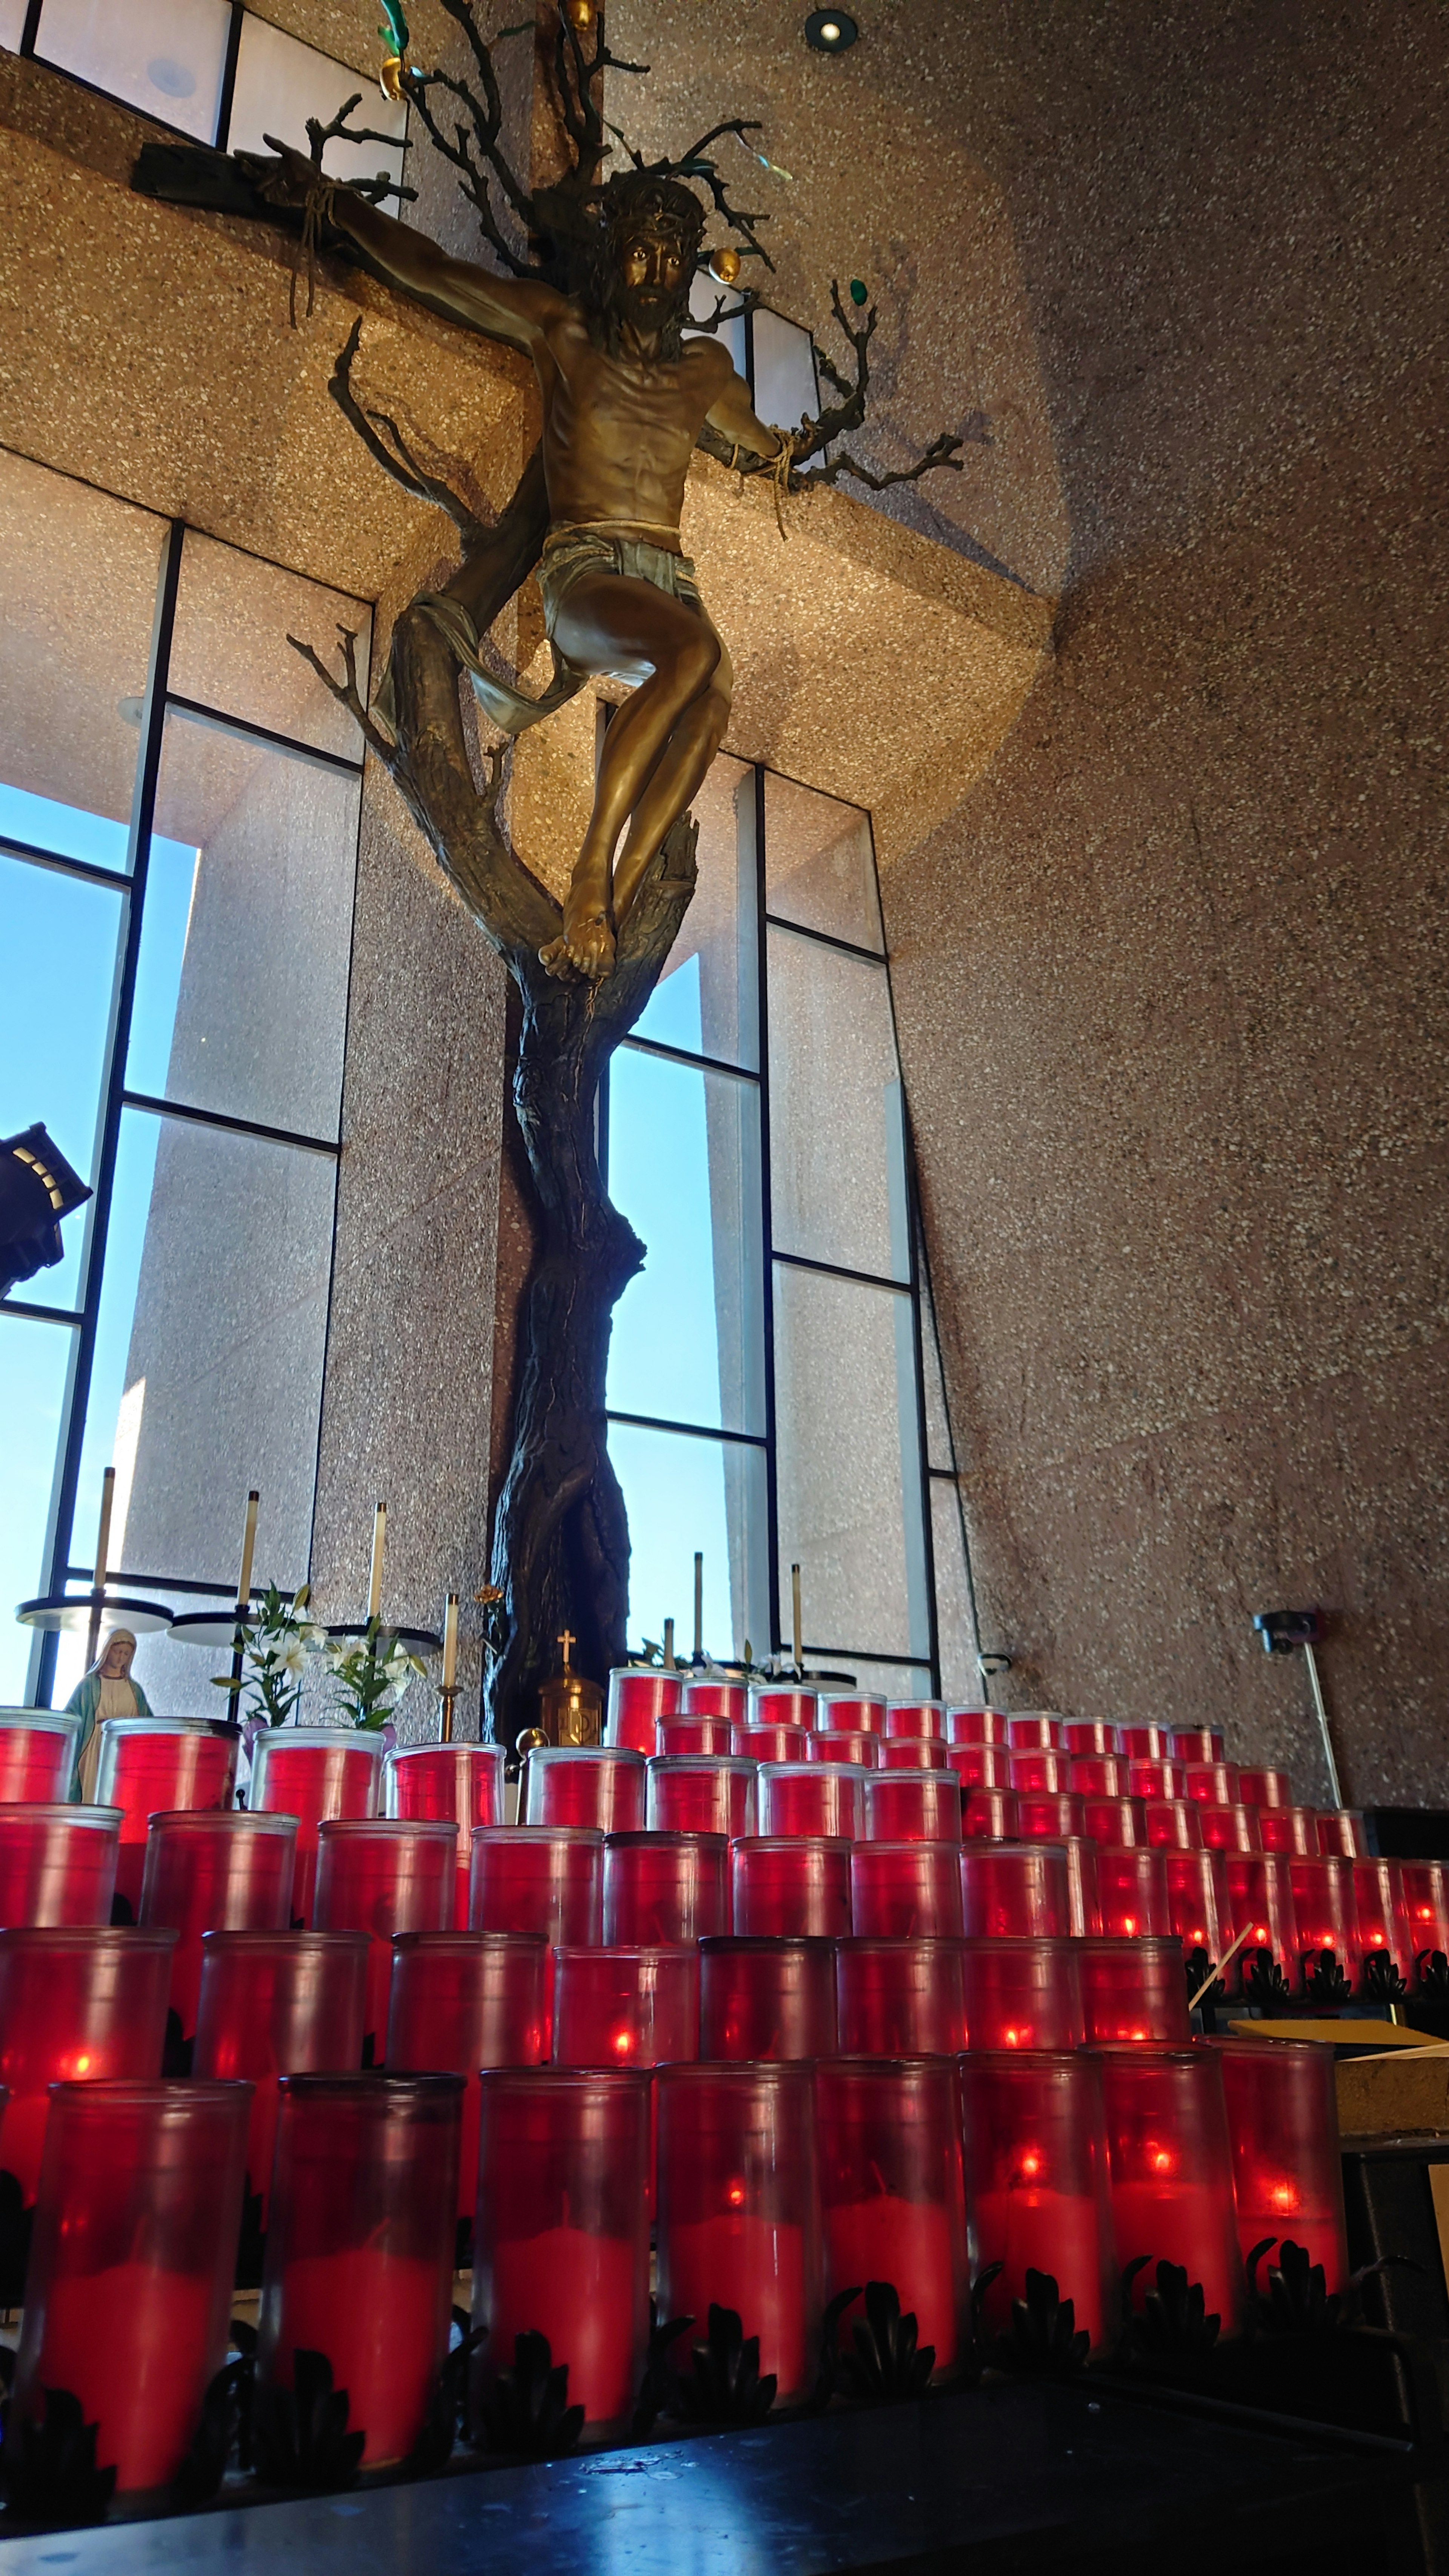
{"points": [[955, 1627], [684, 1168], [34, 1360], [683, 1494], [820, 864], [280, 83], [230, 649], [836, 1159], [12, 24], [164, 56], [704, 295], [784, 371], [707, 998]]}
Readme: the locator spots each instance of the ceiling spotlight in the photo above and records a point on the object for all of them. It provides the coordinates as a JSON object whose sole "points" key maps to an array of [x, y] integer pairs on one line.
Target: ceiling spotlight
{"points": [[830, 31]]}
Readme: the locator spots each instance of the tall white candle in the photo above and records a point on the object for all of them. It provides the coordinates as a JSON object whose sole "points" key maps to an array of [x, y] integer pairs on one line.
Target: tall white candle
{"points": [[450, 1642], [249, 1542], [698, 1605], [379, 1542], [795, 1614]]}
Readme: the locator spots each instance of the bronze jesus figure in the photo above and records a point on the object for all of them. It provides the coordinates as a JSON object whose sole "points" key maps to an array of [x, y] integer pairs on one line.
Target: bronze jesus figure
{"points": [[624, 399]]}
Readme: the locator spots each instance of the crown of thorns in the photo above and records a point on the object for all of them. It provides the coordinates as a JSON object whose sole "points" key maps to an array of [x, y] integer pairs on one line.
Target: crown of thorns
{"points": [[633, 202]]}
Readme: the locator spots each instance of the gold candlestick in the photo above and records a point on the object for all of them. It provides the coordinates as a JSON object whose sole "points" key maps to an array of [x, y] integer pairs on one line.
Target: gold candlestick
{"points": [[448, 1690], [249, 1545]]}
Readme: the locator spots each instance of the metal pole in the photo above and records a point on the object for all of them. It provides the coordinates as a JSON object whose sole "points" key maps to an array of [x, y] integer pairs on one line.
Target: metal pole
{"points": [[1321, 1712]]}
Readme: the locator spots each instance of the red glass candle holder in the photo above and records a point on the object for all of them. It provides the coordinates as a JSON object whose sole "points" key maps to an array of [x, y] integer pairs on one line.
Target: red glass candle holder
{"points": [[1173, 1824], [76, 2005], [1424, 1897], [1260, 1902], [598, 1786], [1133, 1990], [1258, 1788], [892, 2205], [1341, 1830], [825, 1800], [738, 2219], [1118, 1821], [57, 1864], [1378, 1906], [461, 2001], [827, 1745], [1214, 1784], [547, 1879], [1036, 1730], [1045, 1818], [1145, 1743], [989, 1815], [1323, 1907], [979, 1766], [1084, 1901], [770, 1743], [1171, 2166], [910, 1753], [150, 1766], [1015, 1891], [210, 1873], [1195, 1743], [782, 1704], [922, 1718], [909, 1888], [128, 2296], [1197, 1901], [1287, 1829], [1039, 1768], [562, 2241], [383, 1875], [464, 1781], [1085, 1736], [625, 2007], [1097, 1775], [899, 1998], [663, 1888], [359, 2262], [729, 1700], [1157, 1780], [314, 1773], [1132, 1891], [279, 2003], [637, 1701], [1038, 2195], [701, 1794], [1230, 1829], [975, 1726], [767, 1997], [37, 1755], [791, 1885], [689, 1735], [913, 1806], [850, 1713], [1022, 1994], [1287, 2171]]}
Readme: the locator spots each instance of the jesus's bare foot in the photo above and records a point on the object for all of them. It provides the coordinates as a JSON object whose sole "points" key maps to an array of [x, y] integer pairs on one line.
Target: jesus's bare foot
{"points": [[587, 945]]}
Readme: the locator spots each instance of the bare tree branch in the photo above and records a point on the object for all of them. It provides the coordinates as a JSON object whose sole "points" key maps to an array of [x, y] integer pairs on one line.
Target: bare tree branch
{"points": [[401, 465]]}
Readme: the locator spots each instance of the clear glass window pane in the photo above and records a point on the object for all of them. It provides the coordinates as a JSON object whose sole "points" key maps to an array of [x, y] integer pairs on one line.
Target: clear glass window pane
{"points": [[246, 932], [165, 57], [848, 1464], [281, 82], [61, 937], [684, 1168], [785, 390], [837, 1165], [683, 1494], [955, 1627], [706, 1001], [886, 1681], [34, 1365], [12, 24], [704, 295], [820, 864], [229, 649]]}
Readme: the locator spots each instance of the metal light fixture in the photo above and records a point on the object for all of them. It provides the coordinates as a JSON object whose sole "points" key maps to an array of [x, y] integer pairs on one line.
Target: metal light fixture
{"points": [[830, 31]]}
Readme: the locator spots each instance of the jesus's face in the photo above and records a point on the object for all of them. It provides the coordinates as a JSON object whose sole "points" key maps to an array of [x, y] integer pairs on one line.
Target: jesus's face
{"points": [[651, 279]]}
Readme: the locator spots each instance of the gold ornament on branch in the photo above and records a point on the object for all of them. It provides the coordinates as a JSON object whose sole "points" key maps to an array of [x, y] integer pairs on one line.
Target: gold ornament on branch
{"points": [[724, 265]]}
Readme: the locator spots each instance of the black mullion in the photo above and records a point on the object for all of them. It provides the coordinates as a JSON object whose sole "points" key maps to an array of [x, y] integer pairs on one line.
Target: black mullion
{"points": [[158, 1585], [195, 711], [834, 1270], [827, 939], [767, 1219], [228, 75], [31, 28], [64, 867], [928, 1537], [157, 1108], [686, 1430], [870, 1655], [682, 1055], [749, 322], [42, 1314], [143, 815]]}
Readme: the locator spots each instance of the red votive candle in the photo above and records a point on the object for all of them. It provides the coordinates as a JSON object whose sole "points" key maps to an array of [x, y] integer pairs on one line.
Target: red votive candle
{"points": [[57, 1864], [625, 2007], [910, 1888], [910, 1753], [383, 1875], [896, 1998], [1287, 2172], [1195, 1743], [538, 1878], [314, 1773], [701, 1794], [1122, 1821], [975, 1726], [637, 1701], [825, 1800], [1037, 2188], [279, 2003], [561, 2246], [913, 1806], [690, 1735], [1171, 2166], [1041, 1768], [594, 1785], [1258, 1788], [152, 1765], [1157, 1780], [1379, 1912], [1341, 1830], [1197, 1901], [1323, 1906], [892, 2205], [208, 1873], [826, 1745], [1014, 1891], [465, 2000], [1230, 1829], [1084, 1900], [1287, 1829], [1022, 1994], [989, 1815], [1097, 1775], [729, 1700], [1084, 1736], [922, 1718], [1133, 1990], [1036, 1730], [778, 1704], [128, 2296], [1145, 1743], [850, 1713], [37, 1755], [1425, 1901], [770, 1743], [793, 1885], [739, 2208], [1260, 1899], [1173, 1824], [359, 2261], [464, 1781], [765, 1998], [1132, 1891], [979, 1766], [1215, 1784], [664, 1888], [1044, 1818], [76, 2005]]}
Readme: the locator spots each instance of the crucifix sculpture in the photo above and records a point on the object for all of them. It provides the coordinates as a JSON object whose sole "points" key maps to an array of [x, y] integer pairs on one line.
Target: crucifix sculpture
{"points": [[599, 300]]}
